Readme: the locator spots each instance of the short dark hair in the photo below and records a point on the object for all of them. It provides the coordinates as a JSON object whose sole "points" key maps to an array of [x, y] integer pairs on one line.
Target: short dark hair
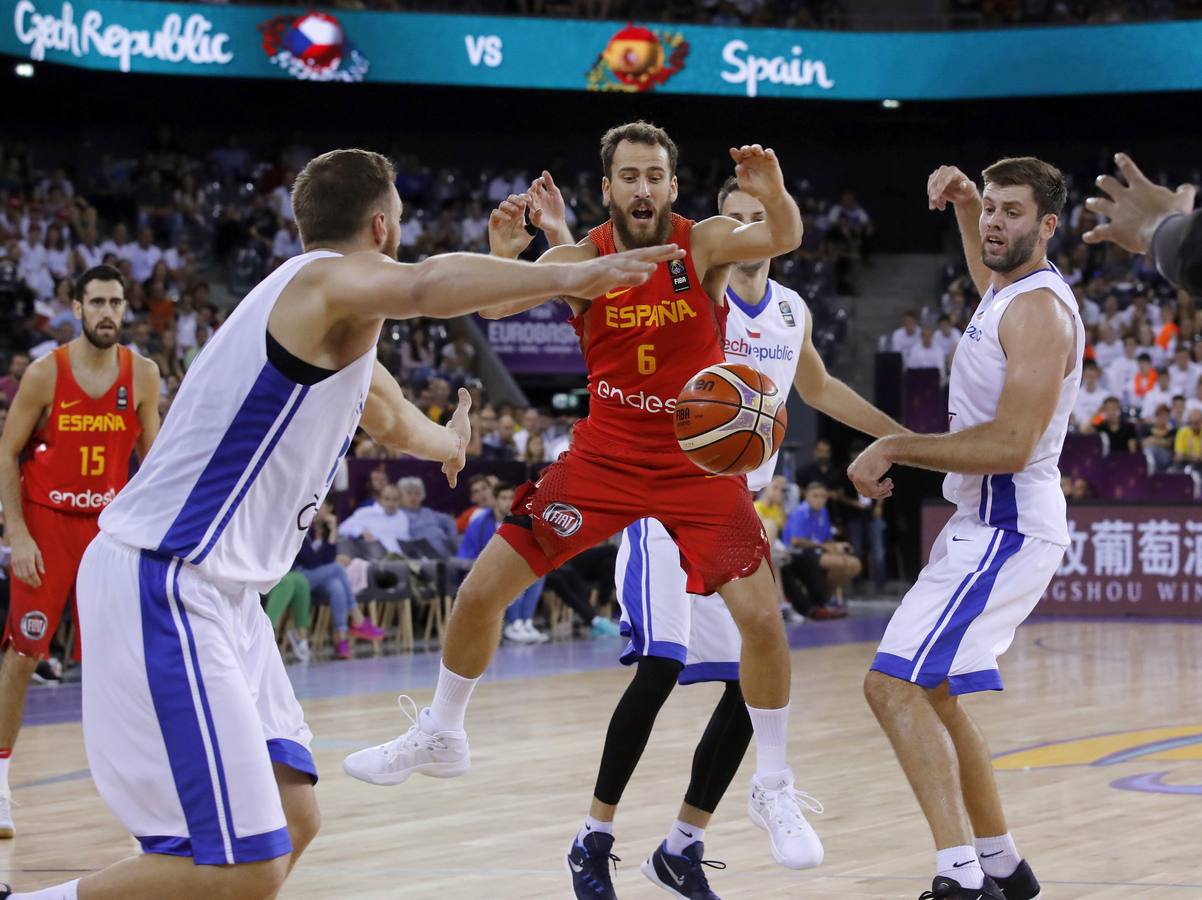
{"points": [[1046, 182], [502, 486], [1089, 364], [1144, 356], [335, 193], [96, 273], [815, 485], [729, 186], [1112, 400], [639, 132]]}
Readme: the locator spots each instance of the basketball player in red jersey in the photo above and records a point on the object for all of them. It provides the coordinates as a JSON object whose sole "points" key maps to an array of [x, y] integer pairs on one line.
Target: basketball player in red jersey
{"points": [[79, 415], [641, 346]]}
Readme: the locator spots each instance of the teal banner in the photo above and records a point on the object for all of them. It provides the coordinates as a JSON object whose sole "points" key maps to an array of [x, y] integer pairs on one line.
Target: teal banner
{"points": [[482, 51]]}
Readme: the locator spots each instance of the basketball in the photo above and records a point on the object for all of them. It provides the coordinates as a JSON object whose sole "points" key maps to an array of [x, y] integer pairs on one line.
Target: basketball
{"points": [[730, 418]]}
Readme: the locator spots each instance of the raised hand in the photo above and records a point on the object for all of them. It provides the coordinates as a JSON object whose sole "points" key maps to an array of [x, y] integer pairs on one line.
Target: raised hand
{"points": [[629, 269], [758, 171], [507, 235], [548, 212], [947, 184], [461, 428], [1134, 209]]}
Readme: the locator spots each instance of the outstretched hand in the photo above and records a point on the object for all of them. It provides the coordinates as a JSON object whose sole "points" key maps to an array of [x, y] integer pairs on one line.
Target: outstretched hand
{"points": [[617, 270], [507, 235], [1135, 209], [548, 212], [461, 429], [758, 171]]}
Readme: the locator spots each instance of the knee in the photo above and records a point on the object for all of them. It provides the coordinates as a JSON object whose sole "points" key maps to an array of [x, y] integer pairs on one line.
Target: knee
{"points": [[303, 828], [760, 621], [854, 566], [885, 694], [945, 705], [475, 599], [250, 881]]}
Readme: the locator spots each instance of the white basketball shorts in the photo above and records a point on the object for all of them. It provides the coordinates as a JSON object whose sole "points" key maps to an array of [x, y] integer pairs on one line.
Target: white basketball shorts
{"points": [[662, 619], [186, 705], [961, 614]]}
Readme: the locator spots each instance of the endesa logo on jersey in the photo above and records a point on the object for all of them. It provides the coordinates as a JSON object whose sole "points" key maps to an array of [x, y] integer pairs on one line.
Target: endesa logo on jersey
{"points": [[649, 315], [83, 499], [639, 399], [85, 422], [739, 347]]}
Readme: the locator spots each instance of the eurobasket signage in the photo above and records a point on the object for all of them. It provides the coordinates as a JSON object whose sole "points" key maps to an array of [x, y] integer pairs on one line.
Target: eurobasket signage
{"points": [[311, 44]]}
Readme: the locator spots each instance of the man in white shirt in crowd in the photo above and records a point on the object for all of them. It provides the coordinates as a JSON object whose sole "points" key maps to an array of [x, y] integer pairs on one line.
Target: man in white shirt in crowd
{"points": [[1183, 373], [411, 228], [1120, 374], [281, 197], [1160, 395], [907, 336], [474, 227], [383, 521], [926, 354], [1194, 402], [1140, 309], [946, 336], [1108, 348], [532, 423], [1090, 397], [143, 255], [286, 244], [118, 244]]}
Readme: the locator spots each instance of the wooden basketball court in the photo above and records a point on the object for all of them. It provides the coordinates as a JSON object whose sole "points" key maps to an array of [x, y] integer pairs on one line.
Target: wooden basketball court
{"points": [[1107, 818]]}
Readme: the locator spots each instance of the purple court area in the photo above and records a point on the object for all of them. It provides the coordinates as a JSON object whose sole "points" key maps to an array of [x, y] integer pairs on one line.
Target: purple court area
{"points": [[54, 704]]}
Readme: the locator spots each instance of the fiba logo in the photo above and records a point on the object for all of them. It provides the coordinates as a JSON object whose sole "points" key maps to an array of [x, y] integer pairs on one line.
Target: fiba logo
{"points": [[33, 625], [565, 520]]}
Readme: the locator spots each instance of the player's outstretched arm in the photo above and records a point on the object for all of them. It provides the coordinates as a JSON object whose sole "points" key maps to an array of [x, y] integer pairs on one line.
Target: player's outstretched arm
{"points": [[146, 390], [720, 240], [829, 395], [1037, 336], [33, 398], [396, 423], [947, 184], [454, 284]]}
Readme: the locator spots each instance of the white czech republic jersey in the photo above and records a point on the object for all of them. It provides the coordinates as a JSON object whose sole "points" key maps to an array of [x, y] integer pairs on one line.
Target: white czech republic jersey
{"points": [[245, 456], [1028, 502], [658, 616]]}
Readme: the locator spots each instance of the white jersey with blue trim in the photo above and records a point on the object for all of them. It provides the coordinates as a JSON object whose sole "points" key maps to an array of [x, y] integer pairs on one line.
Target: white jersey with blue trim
{"points": [[767, 336], [246, 455], [1029, 502]]}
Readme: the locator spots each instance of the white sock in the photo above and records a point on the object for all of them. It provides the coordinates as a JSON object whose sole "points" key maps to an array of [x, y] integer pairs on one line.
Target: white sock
{"points": [[681, 835], [771, 736], [450, 699], [4, 774], [593, 826], [961, 865], [68, 891], [999, 857]]}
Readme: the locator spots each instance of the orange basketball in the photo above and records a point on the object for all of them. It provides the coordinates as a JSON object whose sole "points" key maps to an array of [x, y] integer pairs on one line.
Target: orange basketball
{"points": [[730, 418]]}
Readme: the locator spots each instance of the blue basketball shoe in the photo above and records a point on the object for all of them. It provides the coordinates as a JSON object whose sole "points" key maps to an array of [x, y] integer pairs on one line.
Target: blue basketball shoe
{"points": [[682, 875], [588, 863]]}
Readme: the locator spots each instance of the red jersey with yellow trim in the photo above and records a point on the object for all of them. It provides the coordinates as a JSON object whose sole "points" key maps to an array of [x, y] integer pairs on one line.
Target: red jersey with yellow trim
{"points": [[79, 459], [641, 346]]}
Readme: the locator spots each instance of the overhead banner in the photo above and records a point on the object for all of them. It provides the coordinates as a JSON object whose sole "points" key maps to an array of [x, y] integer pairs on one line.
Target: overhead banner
{"points": [[540, 341], [488, 51], [1124, 560]]}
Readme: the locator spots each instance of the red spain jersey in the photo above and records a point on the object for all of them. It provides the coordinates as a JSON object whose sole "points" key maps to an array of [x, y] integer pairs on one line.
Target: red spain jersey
{"points": [[79, 459], [642, 345]]}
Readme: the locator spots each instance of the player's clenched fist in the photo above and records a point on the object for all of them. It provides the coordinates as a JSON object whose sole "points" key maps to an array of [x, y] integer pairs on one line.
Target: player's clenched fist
{"points": [[947, 184], [758, 171]]}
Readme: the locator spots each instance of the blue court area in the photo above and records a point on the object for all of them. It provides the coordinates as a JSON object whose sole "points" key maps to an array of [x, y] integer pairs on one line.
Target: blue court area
{"points": [[54, 704]]}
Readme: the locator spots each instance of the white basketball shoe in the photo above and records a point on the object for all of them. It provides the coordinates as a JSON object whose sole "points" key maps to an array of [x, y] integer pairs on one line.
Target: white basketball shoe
{"points": [[775, 805], [421, 749]]}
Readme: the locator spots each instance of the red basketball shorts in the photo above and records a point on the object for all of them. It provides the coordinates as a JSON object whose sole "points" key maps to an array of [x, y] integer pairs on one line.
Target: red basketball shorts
{"points": [[34, 613], [590, 494]]}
